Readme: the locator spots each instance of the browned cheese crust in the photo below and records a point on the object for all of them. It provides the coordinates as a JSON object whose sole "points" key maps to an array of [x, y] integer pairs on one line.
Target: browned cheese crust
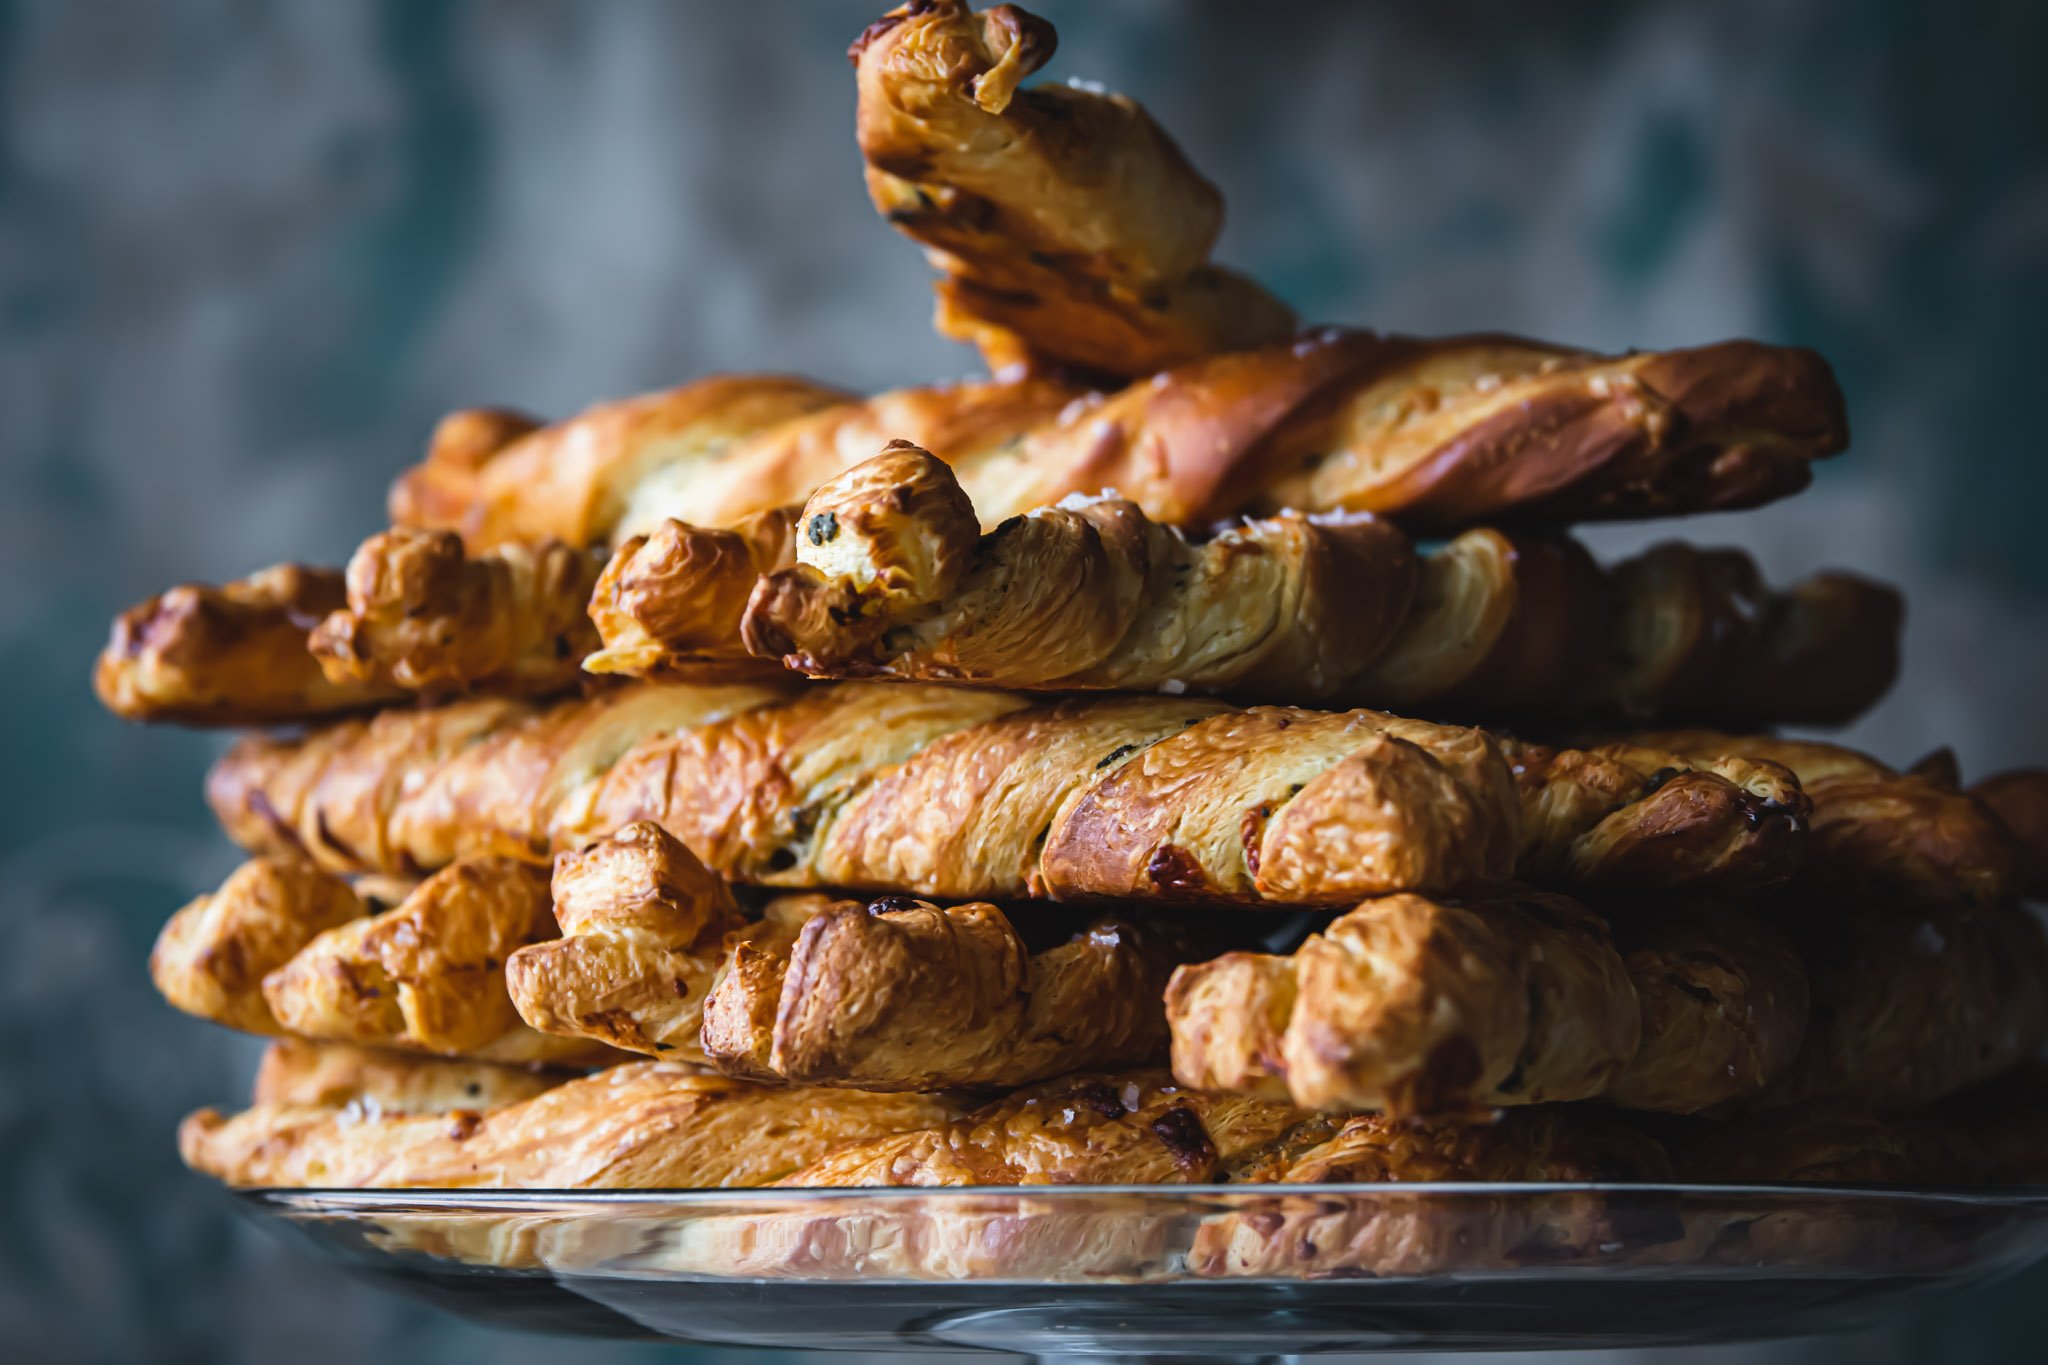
{"points": [[296, 1073], [974, 794], [231, 655], [1880, 835], [1421, 1234], [426, 616], [1410, 1006], [211, 958], [1120, 1128], [646, 1125], [429, 973], [1068, 228]]}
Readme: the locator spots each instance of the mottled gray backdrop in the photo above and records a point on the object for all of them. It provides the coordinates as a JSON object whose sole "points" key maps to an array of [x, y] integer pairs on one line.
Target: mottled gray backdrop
{"points": [[249, 251]]}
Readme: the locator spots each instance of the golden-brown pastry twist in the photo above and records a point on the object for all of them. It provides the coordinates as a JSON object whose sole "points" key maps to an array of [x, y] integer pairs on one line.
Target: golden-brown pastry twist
{"points": [[1135, 1128], [1067, 225], [1411, 1006], [886, 576], [212, 956], [645, 928], [1436, 435], [574, 481], [1624, 817], [1880, 836], [906, 995], [646, 1125], [232, 655], [297, 1073], [669, 602], [426, 616], [892, 579], [429, 972], [973, 794]]}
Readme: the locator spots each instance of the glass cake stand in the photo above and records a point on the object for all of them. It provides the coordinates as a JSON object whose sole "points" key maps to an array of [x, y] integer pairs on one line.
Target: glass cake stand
{"points": [[1222, 1272]]}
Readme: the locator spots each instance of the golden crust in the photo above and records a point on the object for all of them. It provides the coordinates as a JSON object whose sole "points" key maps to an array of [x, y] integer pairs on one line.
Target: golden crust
{"points": [[1877, 834], [1435, 435], [1121, 1128], [212, 956], [575, 480], [426, 616], [978, 426], [647, 1125], [1443, 433], [977, 794], [669, 603], [644, 930], [1724, 998], [1308, 1237], [1068, 227], [296, 1073], [1410, 1006], [1626, 817], [1911, 1005], [429, 973], [890, 580], [1293, 806], [905, 995], [232, 655]]}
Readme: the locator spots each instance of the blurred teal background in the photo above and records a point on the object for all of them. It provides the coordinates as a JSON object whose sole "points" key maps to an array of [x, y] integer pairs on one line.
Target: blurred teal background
{"points": [[249, 251]]}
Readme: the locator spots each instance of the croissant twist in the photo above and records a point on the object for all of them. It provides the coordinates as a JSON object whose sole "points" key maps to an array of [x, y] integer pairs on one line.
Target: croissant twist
{"points": [[429, 973], [970, 794], [1881, 836], [1434, 434], [646, 1125], [212, 956], [1411, 1006], [296, 1073], [424, 616], [888, 578], [645, 928], [232, 655], [1067, 225]]}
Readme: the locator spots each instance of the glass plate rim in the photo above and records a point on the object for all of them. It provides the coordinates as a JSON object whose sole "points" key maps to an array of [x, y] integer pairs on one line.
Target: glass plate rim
{"points": [[2007, 1196]]}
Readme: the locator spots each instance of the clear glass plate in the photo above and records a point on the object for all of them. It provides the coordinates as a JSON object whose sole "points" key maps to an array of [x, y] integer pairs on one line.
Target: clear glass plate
{"points": [[1223, 1271]]}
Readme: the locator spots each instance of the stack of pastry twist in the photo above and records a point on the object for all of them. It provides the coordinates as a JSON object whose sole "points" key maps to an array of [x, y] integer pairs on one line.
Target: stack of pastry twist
{"points": [[1083, 774]]}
